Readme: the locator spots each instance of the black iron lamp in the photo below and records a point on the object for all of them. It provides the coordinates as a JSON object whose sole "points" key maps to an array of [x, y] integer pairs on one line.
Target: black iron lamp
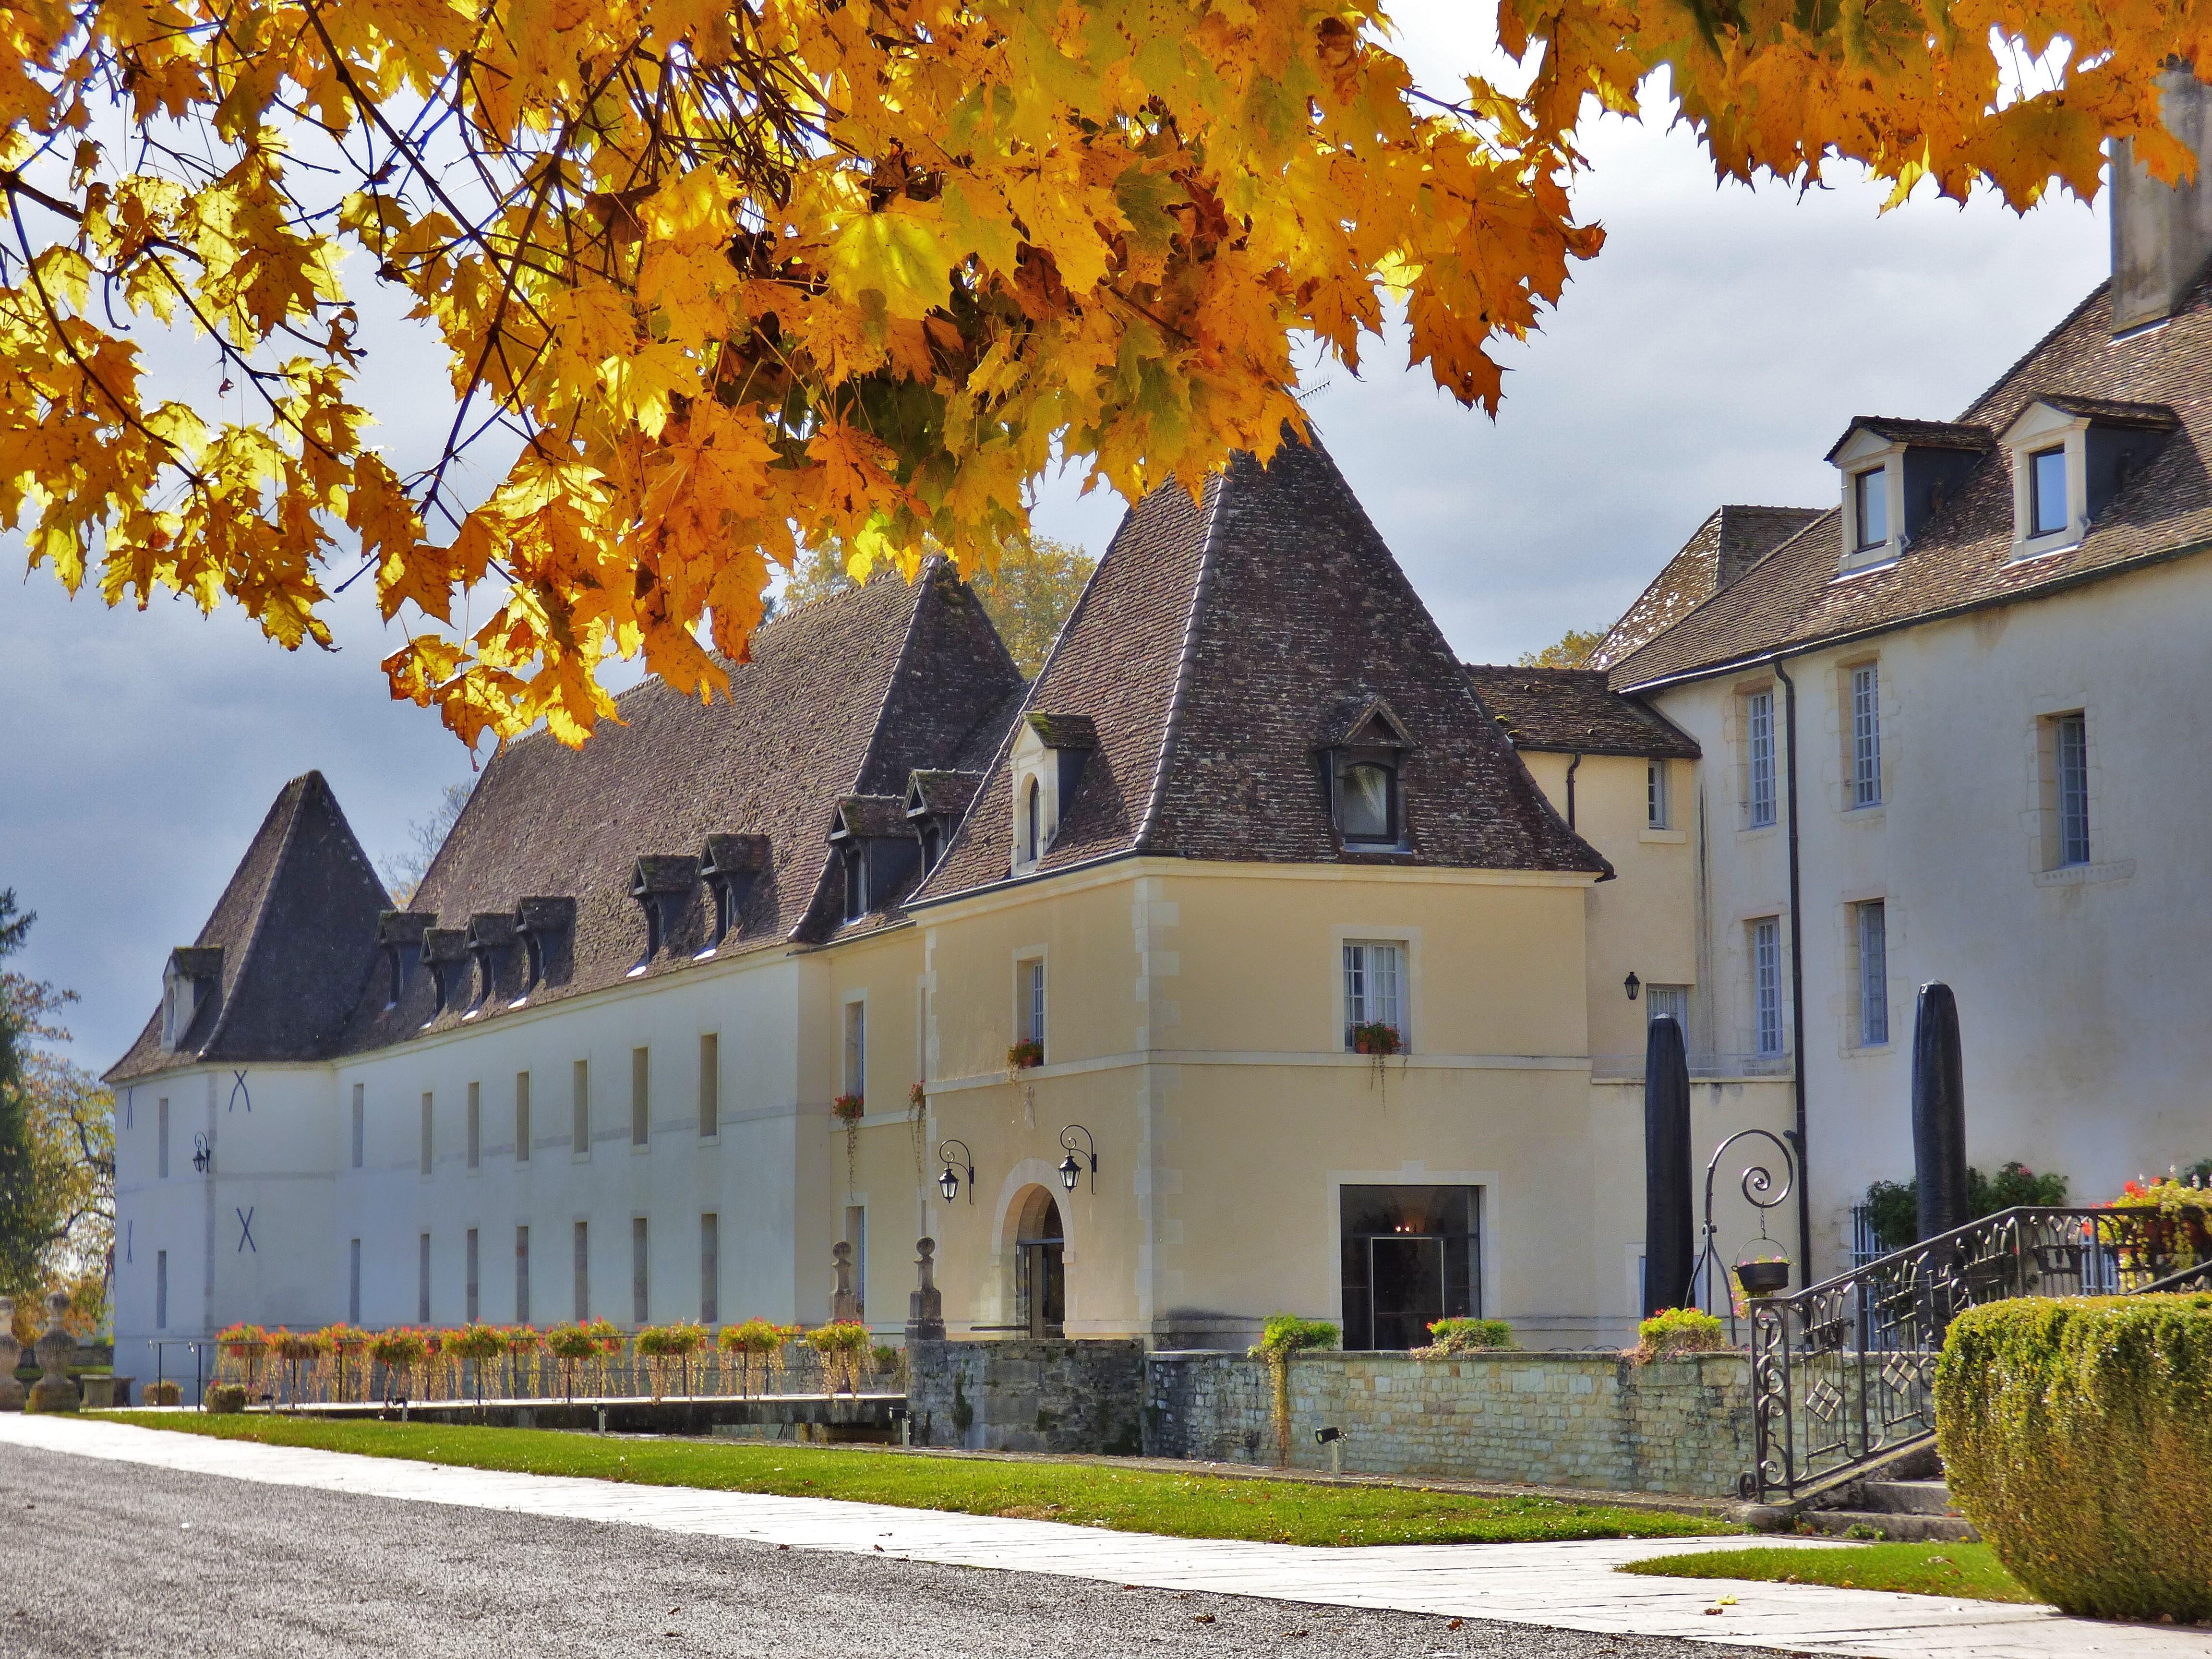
{"points": [[1631, 985], [1070, 1170], [949, 1182], [203, 1155]]}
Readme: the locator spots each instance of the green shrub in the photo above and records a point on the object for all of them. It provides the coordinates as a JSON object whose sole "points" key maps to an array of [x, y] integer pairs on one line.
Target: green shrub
{"points": [[227, 1399], [1283, 1336], [1893, 1206], [2076, 1433], [1452, 1336], [163, 1393], [1672, 1331]]}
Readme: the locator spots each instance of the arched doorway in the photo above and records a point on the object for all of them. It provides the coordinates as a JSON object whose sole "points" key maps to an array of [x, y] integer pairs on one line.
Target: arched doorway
{"points": [[1040, 1273]]}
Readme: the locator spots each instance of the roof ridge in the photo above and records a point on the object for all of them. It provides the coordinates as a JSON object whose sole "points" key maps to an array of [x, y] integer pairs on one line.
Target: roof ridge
{"points": [[296, 791], [1821, 514], [1201, 587], [2034, 351]]}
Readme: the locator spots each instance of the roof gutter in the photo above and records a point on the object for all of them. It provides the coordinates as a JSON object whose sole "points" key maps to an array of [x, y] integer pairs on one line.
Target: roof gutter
{"points": [[1796, 976]]}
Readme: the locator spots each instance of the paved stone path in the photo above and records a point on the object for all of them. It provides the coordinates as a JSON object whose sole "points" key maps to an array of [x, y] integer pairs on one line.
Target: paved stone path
{"points": [[1567, 1586]]}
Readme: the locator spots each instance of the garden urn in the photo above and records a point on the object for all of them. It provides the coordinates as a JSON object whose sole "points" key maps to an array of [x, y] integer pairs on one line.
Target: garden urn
{"points": [[11, 1355], [55, 1391]]}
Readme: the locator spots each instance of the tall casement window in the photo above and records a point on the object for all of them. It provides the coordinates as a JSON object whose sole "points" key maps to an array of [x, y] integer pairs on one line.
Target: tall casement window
{"points": [[710, 1086], [1873, 929], [856, 1048], [475, 1126], [2046, 492], [360, 1121], [1767, 984], [1032, 822], [161, 1290], [1374, 988], [1029, 981], [640, 1095], [1759, 760], [162, 1140], [2066, 747], [1866, 735], [580, 1100], [1657, 813], [353, 1282], [470, 1302], [1668, 1002], [710, 1269], [522, 1275], [422, 1279], [583, 1272], [427, 1123], [522, 1117], [641, 1262], [1870, 499]]}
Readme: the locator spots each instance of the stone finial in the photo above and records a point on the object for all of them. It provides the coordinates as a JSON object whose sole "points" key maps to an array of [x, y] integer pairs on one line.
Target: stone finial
{"points": [[925, 1304], [844, 1304], [11, 1354], [55, 1391]]}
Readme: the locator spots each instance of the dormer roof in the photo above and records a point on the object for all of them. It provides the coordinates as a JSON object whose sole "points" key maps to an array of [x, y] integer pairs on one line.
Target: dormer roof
{"points": [[1208, 651], [293, 938], [1916, 435], [860, 816], [2100, 412], [734, 855], [1062, 730], [1362, 721], [940, 793], [659, 873]]}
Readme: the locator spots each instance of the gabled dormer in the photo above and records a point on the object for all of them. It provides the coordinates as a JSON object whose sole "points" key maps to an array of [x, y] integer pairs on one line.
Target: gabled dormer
{"points": [[547, 928], [492, 938], [399, 939], [2069, 456], [190, 983], [1897, 475], [445, 953], [935, 804], [1363, 753], [730, 865], [1049, 754], [663, 885], [876, 851]]}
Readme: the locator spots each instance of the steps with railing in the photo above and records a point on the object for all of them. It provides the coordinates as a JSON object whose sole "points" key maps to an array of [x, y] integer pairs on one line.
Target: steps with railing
{"points": [[1843, 1372]]}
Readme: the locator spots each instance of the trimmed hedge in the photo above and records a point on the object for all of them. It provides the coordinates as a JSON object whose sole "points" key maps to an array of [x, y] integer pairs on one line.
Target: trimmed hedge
{"points": [[2076, 1433]]}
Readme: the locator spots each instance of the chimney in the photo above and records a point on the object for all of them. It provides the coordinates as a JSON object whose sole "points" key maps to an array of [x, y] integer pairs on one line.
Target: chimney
{"points": [[2161, 234]]}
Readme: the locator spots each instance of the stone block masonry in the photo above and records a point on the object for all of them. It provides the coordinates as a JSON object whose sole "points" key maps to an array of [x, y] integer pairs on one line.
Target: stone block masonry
{"points": [[1027, 1395], [1545, 1418]]}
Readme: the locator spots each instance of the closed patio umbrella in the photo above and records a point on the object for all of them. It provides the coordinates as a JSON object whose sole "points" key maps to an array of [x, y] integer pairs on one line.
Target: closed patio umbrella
{"points": [[1939, 1112], [1668, 1258]]}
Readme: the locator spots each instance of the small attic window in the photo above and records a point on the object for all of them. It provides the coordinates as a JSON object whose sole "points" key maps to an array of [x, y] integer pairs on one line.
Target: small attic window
{"points": [[188, 983], [2046, 492], [663, 885], [1366, 781], [2070, 457], [543, 924], [730, 866], [1033, 823], [1870, 497], [856, 883], [1367, 801]]}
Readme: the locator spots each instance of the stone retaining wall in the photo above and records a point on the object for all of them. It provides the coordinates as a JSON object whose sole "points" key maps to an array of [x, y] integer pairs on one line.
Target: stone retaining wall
{"points": [[1027, 1395], [1547, 1418]]}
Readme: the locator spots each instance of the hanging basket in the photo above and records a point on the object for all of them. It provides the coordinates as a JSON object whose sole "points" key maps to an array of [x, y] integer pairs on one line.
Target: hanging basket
{"points": [[1762, 1278]]}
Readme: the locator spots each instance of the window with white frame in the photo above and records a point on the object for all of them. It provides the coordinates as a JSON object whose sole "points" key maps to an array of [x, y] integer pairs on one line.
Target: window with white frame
{"points": [[1029, 979], [1374, 987], [1866, 735], [1871, 919], [1759, 760], [1657, 812], [1871, 499], [856, 1048], [1767, 984], [2069, 775], [1668, 1002], [2048, 513]]}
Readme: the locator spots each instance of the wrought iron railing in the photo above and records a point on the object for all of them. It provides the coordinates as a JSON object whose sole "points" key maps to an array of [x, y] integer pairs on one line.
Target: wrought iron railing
{"points": [[1843, 1372]]}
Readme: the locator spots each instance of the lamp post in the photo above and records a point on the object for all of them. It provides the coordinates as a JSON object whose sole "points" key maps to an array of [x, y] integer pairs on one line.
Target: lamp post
{"points": [[1072, 1171], [202, 1154], [949, 1182]]}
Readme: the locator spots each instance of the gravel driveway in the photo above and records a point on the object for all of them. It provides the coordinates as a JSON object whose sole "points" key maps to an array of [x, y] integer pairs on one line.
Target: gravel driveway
{"points": [[106, 1560]]}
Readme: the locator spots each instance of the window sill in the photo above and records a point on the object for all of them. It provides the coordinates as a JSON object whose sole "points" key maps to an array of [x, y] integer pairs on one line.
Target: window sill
{"points": [[1751, 829], [2043, 547], [2077, 875], [1868, 814], [1663, 837], [1872, 561]]}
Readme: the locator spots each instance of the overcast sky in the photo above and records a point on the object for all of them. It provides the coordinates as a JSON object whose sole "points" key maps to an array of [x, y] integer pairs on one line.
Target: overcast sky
{"points": [[1711, 353]]}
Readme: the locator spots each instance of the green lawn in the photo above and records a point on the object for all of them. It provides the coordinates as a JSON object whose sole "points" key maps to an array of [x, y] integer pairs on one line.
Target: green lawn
{"points": [[1131, 1500], [1967, 1571]]}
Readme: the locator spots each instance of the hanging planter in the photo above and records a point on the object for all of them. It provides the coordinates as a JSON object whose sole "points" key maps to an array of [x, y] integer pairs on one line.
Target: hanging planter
{"points": [[1378, 1040], [849, 1110]]}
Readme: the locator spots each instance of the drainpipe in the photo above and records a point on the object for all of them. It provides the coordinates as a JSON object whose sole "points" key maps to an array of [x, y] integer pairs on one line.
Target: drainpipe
{"points": [[1796, 977], [1571, 765]]}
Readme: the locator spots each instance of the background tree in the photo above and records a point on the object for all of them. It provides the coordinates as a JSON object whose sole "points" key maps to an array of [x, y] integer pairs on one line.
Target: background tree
{"points": [[1570, 650], [1028, 587], [402, 872], [731, 280], [26, 1208]]}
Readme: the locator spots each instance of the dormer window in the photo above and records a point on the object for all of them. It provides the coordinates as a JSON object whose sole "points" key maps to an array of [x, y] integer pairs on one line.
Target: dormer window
{"points": [[1365, 774], [2070, 457], [491, 940], [729, 867], [545, 927], [877, 848], [446, 951], [400, 936], [1870, 497], [663, 885], [1049, 754], [189, 983], [935, 802]]}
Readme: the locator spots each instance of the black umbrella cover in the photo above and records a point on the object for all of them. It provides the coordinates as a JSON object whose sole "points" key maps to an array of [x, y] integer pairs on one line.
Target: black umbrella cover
{"points": [[1669, 1256], [1939, 1113]]}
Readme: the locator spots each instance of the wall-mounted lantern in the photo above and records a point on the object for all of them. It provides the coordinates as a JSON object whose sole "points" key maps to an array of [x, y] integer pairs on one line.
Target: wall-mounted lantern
{"points": [[949, 1182], [202, 1154], [1070, 1171], [1631, 985]]}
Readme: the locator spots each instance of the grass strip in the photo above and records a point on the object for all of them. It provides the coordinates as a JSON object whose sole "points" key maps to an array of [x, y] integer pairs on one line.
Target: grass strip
{"points": [[1969, 1571], [1135, 1500]]}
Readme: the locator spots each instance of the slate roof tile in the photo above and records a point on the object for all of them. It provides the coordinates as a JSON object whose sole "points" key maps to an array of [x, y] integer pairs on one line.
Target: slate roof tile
{"points": [[1574, 711]]}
